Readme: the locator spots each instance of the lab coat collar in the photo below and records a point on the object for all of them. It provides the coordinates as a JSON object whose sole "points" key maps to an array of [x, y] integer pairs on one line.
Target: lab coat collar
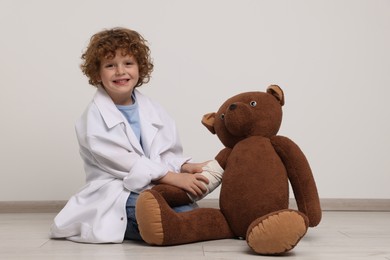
{"points": [[112, 116], [146, 113], [110, 113], [150, 120]]}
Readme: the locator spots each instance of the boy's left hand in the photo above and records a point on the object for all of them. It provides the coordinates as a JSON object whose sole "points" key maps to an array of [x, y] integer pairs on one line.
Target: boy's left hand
{"points": [[193, 167]]}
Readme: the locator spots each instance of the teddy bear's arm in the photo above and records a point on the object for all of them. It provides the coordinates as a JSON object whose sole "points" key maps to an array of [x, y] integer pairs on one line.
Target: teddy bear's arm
{"points": [[222, 157], [300, 176]]}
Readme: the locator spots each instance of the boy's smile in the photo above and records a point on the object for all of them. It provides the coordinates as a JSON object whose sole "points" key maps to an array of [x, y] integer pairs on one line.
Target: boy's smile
{"points": [[119, 75]]}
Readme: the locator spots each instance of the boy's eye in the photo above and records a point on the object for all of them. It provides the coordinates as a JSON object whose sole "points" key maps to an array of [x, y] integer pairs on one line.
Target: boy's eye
{"points": [[108, 65]]}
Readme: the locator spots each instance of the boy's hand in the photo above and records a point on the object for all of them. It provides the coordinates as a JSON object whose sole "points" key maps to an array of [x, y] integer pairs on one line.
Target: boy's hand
{"points": [[193, 167], [191, 183]]}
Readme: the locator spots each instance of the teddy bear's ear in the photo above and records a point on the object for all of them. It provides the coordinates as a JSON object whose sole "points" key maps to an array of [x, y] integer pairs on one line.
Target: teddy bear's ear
{"points": [[208, 122], [277, 92]]}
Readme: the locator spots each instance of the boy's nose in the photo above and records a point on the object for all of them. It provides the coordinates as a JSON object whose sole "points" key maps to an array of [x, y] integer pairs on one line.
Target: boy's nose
{"points": [[119, 70]]}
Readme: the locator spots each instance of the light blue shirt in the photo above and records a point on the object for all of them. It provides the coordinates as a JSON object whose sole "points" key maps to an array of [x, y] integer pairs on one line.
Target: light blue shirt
{"points": [[131, 114]]}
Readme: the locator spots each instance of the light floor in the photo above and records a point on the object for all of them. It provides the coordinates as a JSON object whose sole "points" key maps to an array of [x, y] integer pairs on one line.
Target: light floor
{"points": [[341, 235]]}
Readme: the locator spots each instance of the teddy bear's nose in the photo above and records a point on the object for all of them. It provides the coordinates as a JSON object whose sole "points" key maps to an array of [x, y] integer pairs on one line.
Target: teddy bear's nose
{"points": [[232, 106]]}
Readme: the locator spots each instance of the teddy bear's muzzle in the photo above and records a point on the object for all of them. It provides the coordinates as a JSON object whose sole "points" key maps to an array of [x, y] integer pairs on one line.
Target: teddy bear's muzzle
{"points": [[238, 120]]}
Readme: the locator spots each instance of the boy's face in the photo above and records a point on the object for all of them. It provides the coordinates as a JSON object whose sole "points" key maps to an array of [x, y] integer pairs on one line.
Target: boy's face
{"points": [[119, 76]]}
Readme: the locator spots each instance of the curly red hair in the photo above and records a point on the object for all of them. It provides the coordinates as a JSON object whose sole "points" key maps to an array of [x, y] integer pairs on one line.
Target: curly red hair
{"points": [[104, 44]]}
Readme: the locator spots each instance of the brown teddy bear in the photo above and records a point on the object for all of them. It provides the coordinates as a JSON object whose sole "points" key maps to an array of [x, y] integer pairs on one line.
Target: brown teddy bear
{"points": [[254, 196]]}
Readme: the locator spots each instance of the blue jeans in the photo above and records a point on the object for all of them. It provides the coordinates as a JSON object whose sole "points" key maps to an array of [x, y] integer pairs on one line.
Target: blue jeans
{"points": [[132, 232]]}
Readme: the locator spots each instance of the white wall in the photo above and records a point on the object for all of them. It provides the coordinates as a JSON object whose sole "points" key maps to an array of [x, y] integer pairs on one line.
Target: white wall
{"points": [[331, 57]]}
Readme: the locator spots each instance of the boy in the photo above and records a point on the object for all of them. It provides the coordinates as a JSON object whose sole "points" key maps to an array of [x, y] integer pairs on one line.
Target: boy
{"points": [[128, 144]]}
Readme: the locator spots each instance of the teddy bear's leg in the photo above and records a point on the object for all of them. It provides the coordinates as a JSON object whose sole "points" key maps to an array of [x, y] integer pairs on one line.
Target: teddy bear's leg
{"points": [[277, 232], [160, 225]]}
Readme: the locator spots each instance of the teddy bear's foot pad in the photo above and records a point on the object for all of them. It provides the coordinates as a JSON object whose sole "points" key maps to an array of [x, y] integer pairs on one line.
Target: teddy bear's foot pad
{"points": [[149, 219], [277, 233]]}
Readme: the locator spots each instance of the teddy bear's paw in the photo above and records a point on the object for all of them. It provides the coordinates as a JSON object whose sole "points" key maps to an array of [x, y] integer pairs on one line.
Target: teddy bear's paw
{"points": [[148, 214], [277, 233]]}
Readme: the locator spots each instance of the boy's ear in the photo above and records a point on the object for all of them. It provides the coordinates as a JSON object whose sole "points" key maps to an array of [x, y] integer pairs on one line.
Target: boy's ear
{"points": [[208, 122]]}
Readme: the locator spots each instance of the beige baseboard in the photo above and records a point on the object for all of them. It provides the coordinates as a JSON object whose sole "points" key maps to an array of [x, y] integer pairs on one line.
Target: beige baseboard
{"points": [[31, 206], [326, 204]]}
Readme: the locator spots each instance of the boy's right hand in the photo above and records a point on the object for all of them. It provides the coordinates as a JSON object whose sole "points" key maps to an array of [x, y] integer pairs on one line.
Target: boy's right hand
{"points": [[191, 183]]}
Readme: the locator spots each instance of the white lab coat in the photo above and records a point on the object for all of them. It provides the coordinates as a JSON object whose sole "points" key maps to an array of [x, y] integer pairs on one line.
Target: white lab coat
{"points": [[115, 164]]}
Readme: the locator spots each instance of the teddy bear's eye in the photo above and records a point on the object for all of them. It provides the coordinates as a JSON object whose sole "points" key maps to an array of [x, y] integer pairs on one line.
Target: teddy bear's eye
{"points": [[222, 116], [253, 103]]}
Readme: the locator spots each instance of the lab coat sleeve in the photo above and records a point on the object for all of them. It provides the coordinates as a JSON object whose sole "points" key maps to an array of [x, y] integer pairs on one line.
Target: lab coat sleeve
{"points": [[136, 171], [136, 181]]}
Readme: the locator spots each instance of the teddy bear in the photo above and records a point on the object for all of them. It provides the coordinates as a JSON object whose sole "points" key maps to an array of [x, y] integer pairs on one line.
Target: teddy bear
{"points": [[258, 165]]}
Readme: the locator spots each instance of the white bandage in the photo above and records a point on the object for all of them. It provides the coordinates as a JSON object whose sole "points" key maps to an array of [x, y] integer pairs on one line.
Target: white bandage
{"points": [[213, 172]]}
